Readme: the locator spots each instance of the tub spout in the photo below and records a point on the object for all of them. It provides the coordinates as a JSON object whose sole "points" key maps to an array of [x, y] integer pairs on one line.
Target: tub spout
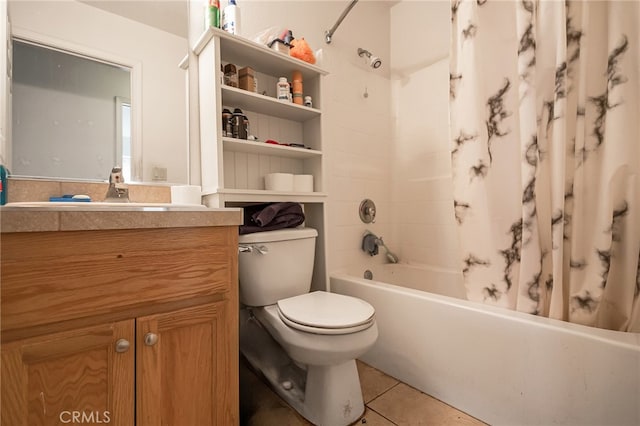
{"points": [[393, 258]]}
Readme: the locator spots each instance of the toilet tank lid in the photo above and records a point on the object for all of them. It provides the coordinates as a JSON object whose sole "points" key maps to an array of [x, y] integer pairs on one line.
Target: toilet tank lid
{"points": [[278, 235]]}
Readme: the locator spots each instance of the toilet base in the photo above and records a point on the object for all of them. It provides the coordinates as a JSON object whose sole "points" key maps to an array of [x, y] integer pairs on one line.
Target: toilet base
{"points": [[333, 395], [324, 395]]}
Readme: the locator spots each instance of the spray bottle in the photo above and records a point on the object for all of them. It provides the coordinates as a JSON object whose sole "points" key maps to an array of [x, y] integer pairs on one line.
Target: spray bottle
{"points": [[231, 18]]}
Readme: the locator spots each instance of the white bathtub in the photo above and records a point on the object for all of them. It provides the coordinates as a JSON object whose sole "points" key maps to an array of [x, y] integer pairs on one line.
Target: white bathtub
{"points": [[500, 366]]}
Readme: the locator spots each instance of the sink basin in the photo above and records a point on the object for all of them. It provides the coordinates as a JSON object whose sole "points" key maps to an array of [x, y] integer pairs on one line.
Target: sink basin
{"points": [[104, 206]]}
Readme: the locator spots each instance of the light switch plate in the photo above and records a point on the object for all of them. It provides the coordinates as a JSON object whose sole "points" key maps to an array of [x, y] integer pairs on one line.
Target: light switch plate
{"points": [[160, 174]]}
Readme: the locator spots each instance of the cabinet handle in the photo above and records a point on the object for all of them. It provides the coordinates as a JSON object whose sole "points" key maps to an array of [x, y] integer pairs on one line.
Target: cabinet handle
{"points": [[150, 339], [122, 345]]}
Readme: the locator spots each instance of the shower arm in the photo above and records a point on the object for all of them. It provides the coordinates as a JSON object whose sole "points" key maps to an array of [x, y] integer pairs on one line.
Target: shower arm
{"points": [[328, 34]]}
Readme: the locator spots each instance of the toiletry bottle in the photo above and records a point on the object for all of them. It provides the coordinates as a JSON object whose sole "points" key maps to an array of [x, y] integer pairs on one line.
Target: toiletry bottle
{"points": [[308, 101], [4, 174], [226, 123], [282, 89], [231, 18], [237, 124], [212, 14], [296, 87], [244, 130]]}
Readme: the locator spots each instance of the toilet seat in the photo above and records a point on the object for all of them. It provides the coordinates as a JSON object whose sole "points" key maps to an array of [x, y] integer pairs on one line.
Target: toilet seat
{"points": [[321, 312]]}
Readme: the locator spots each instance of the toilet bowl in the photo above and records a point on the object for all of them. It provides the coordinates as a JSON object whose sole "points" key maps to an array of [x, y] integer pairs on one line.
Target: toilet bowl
{"points": [[304, 343], [325, 346]]}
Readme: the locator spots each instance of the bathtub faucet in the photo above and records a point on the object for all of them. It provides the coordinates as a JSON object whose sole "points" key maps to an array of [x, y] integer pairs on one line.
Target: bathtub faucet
{"points": [[370, 244]]}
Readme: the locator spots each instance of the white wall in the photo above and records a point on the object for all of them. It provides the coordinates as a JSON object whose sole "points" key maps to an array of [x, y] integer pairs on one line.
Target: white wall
{"points": [[424, 227], [357, 130], [163, 92]]}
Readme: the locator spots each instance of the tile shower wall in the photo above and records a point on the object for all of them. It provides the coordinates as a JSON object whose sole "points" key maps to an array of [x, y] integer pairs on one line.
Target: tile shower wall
{"points": [[391, 146], [357, 130], [423, 222]]}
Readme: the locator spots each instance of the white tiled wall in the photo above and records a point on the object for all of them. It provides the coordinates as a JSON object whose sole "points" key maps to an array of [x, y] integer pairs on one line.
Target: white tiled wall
{"points": [[357, 133], [423, 222], [391, 146], [359, 158]]}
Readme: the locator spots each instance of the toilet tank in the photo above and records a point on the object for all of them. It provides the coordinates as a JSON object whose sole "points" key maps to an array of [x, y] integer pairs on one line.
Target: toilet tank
{"points": [[274, 265]]}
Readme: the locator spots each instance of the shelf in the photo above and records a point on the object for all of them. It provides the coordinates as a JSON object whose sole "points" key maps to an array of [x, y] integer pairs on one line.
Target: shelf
{"points": [[262, 148], [239, 50], [239, 98], [257, 195]]}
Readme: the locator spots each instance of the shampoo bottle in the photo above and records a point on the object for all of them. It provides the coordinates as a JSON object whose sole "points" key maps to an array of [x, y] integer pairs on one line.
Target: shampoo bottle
{"points": [[231, 18]]}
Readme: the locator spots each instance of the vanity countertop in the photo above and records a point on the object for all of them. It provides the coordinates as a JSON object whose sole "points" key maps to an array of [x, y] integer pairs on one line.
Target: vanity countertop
{"points": [[85, 217]]}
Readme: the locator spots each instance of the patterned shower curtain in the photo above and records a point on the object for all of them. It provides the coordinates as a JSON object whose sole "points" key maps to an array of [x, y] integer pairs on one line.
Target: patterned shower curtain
{"points": [[545, 128]]}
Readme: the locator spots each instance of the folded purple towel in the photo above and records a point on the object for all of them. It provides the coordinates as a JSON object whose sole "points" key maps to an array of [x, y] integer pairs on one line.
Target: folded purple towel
{"points": [[276, 210], [269, 217]]}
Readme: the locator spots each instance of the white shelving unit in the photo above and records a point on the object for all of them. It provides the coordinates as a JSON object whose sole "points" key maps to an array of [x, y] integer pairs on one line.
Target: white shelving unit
{"points": [[241, 145], [268, 105], [233, 170]]}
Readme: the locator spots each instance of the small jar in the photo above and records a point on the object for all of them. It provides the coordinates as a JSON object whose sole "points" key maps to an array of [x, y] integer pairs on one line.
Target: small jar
{"points": [[308, 102]]}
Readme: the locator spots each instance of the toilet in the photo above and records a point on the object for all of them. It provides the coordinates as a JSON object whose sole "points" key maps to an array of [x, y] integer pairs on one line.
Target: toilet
{"points": [[304, 343]]}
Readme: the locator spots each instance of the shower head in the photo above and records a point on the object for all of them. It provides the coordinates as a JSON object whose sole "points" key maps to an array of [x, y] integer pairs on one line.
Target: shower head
{"points": [[374, 61]]}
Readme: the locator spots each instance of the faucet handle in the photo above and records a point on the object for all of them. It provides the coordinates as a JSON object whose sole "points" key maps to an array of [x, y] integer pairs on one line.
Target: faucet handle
{"points": [[116, 175], [369, 244], [118, 191], [367, 211], [371, 211]]}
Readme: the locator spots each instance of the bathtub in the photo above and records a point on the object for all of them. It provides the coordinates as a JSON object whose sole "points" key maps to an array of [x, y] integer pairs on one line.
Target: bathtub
{"points": [[500, 366]]}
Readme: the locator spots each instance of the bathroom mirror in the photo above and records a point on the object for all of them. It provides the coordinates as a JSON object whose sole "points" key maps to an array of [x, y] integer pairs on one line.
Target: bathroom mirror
{"points": [[71, 114], [121, 55]]}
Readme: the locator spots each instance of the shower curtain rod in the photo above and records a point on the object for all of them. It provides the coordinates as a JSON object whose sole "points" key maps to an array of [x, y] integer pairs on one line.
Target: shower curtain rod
{"points": [[328, 34]]}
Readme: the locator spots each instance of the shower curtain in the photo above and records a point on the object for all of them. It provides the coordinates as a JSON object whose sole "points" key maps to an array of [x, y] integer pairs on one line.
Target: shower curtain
{"points": [[545, 129]]}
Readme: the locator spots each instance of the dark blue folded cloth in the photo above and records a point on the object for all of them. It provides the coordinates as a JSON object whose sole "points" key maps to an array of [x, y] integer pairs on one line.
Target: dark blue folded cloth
{"points": [[271, 216]]}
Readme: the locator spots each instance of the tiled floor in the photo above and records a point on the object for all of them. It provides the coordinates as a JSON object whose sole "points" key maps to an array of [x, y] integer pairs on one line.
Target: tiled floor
{"points": [[388, 402]]}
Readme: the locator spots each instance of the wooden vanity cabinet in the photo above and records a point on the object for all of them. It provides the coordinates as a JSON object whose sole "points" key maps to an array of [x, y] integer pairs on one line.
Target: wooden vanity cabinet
{"points": [[47, 380], [184, 379], [120, 327]]}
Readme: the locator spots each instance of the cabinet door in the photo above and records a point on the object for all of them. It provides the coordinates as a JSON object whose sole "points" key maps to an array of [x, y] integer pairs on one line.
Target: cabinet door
{"points": [[187, 367], [82, 376]]}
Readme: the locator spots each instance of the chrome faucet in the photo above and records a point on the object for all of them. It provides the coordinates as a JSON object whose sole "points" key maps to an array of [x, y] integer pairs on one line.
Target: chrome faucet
{"points": [[118, 191], [370, 244]]}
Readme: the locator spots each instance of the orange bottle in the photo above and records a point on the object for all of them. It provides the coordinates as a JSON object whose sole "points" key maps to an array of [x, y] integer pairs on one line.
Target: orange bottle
{"points": [[296, 87]]}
